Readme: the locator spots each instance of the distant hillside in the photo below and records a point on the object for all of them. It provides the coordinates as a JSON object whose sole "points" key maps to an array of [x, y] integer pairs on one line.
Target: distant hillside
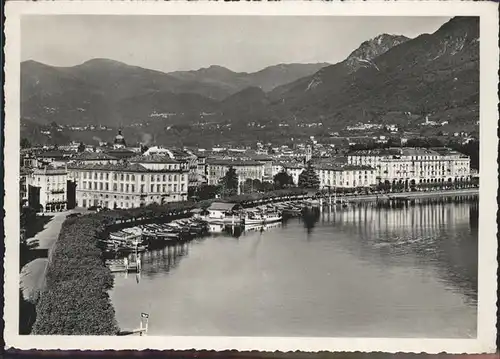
{"points": [[435, 74], [111, 92], [95, 91], [359, 58], [233, 82]]}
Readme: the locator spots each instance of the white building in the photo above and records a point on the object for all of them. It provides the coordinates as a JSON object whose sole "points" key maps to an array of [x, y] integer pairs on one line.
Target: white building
{"points": [[140, 181], [414, 165], [217, 169], [52, 184], [294, 170], [345, 176]]}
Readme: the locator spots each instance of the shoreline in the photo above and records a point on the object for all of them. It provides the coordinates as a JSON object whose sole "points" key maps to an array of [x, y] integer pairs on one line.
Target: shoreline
{"points": [[412, 195]]}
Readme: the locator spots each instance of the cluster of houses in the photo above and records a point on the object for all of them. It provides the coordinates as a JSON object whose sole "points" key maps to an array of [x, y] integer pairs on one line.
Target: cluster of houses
{"points": [[125, 177]]}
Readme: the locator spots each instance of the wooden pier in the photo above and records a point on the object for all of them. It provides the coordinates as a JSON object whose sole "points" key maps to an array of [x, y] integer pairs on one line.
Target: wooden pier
{"points": [[124, 265]]}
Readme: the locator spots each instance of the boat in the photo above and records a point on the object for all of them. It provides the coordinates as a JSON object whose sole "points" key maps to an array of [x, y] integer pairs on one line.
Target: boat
{"points": [[253, 217]]}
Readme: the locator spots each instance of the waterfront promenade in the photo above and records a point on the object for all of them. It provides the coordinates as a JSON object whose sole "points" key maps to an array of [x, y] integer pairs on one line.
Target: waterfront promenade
{"points": [[385, 196], [32, 276]]}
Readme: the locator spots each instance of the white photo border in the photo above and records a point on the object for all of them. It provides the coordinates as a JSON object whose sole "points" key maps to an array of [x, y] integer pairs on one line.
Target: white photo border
{"points": [[487, 271]]}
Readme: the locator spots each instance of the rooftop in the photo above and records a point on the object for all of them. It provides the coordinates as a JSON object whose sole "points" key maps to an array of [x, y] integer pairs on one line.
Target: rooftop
{"points": [[231, 162], [89, 156], [154, 158], [222, 206]]}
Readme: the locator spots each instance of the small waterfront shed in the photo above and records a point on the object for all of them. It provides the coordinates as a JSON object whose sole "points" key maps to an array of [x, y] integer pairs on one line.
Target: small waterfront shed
{"points": [[218, 210]]}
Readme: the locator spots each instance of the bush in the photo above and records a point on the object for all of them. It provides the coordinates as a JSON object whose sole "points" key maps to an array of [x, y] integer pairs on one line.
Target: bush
{"points": [[76, 299]]}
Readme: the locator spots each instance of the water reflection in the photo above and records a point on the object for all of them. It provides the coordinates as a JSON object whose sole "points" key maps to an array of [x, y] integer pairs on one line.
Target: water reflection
{"points": [[441, 233], [406, 269]]}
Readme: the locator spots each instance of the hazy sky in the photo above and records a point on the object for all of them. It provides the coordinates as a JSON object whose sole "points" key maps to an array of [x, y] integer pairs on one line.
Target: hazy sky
{"points": [[240, 43]]}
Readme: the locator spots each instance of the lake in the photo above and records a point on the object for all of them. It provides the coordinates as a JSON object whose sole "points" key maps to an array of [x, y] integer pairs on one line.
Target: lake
{"points": [[370, 270]]}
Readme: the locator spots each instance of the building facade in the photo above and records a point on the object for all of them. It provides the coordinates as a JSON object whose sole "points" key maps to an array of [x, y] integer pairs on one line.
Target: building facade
{"points": [[141, 181], [294, 170], [52, 187], [413, 166], [217, 169], [345, 176]]}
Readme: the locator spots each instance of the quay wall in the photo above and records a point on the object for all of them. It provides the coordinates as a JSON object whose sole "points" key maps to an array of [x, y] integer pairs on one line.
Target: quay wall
{"points": [[414, 195]]}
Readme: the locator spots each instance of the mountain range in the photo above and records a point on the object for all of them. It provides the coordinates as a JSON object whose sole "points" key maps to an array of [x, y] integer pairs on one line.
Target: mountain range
{"points": [[383, 80]]}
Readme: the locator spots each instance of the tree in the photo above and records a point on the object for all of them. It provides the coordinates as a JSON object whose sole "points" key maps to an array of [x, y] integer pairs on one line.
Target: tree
{"points": [[25, 143], [206, 192], [283, 180], [230, 181], [257, 185], [81, 147], [248, 186], [308, 178]]}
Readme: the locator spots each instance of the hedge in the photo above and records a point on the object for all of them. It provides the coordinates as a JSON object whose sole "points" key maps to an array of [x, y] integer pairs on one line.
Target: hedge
{"points": [[76, 300]]}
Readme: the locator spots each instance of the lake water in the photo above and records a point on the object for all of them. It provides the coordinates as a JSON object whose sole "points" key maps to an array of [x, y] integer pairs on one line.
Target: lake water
{"points": [[371, 270]]}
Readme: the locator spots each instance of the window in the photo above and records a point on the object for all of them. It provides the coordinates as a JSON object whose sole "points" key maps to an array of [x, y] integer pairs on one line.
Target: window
{"points": [[152, 188], [127, 187], [142, 177], [132, 177], [133, 188], [152, 178], [121, 187], [170, 177], [164, 178], [95, 175], [115, 187], [182, 186], [100, 186], [175, 187], [121, 176], [175, 178], [107, 176], [142, 188], [84, 175], [115, 176], [128, 177], [157, 188], [107, 186], [100, 176], [163, 187]]}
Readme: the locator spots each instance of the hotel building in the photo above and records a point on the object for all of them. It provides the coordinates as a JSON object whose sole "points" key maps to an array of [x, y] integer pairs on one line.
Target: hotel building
{"points": [[345, 176], [140, 181], [414, 165], [217, 169]]}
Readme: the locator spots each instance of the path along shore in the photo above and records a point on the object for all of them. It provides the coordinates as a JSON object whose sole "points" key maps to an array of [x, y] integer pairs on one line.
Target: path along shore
{"points": [[440, 193], [32, 276]]}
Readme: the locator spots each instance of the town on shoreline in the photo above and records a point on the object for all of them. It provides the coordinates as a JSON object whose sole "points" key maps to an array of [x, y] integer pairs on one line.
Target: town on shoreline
{"points": [[122, 186], [122, 176]]}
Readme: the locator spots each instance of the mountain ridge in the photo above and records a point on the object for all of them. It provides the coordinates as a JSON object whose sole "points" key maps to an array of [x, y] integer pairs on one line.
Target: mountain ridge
{"points": [[434, 75]]}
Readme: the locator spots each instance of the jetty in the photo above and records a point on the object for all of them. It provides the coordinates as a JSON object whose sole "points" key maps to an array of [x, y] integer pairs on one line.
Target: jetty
{"points": [[128, 265]]}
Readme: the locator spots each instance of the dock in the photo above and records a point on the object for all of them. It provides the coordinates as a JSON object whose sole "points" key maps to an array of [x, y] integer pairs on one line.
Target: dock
{"points": [[124, 265]]}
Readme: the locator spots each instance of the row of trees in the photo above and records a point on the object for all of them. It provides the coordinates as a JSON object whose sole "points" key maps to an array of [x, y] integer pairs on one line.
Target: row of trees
{"points": [[228, 185], [75, 300], [308, 179]]}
